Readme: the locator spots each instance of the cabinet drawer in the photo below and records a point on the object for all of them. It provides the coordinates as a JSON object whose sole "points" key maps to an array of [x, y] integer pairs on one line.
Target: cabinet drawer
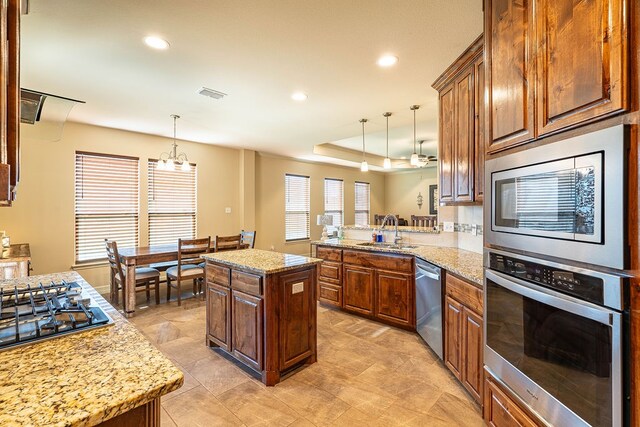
{"points": [[466, 293], [330, 293], [501, 411], [245, 282], [217, 274], [329, 254], [330, 272], [390, 262]]}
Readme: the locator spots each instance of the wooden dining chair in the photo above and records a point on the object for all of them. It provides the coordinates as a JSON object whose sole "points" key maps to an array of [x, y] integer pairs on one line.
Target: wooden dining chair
{"points": [[424, 221], [144, 276], [189, 251], [377, 218], [248, 239], [227, 243]]}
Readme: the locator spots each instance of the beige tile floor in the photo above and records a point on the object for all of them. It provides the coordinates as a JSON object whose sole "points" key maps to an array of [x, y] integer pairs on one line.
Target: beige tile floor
{"points": [[367, 374]]}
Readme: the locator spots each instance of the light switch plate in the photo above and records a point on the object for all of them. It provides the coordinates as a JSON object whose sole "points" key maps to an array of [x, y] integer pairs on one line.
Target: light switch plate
{"points": [[474, 229], [448, 227], [227, 210], [296, 288]]}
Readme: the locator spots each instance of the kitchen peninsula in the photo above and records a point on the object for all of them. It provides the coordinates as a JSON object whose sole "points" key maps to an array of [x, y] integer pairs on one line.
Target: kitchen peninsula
{"points": [[261, 309], [107, 376]]}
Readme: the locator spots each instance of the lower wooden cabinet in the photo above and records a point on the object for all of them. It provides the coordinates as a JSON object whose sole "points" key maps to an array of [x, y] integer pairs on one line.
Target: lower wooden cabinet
{"points": [[463, 352], [246, 327], [394, 299], [500, 410], [219, 318], [358, 289]]}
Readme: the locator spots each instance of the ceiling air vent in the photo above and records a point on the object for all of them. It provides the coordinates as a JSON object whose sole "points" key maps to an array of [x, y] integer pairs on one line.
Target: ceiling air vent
{"points": [[211, 93]]}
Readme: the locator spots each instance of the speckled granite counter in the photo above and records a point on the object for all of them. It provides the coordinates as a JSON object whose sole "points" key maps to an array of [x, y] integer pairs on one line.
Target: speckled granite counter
{"points": [[465, 264], [85, 378], [262, 262], [402, 228]]}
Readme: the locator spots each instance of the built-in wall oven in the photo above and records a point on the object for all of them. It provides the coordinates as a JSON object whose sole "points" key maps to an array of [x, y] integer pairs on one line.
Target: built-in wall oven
{"points": [[565, 199], [554, 335]]}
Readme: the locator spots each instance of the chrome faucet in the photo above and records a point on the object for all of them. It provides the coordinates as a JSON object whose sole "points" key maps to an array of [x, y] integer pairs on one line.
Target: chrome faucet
{"points": [[396, 237]]}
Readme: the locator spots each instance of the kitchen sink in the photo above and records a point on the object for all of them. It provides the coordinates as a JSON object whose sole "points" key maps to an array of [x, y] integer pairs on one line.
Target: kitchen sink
{"points": [[387, 245]]}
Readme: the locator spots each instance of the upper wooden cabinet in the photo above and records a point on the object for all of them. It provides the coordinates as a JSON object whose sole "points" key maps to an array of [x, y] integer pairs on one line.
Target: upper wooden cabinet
{"points": [[552, 65], [462, 128]]}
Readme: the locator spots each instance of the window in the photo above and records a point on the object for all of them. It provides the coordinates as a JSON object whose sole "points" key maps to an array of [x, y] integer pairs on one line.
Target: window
{"points": [[297, 199], [106, 203], [362, 203], [172, 204], [334, 201]]}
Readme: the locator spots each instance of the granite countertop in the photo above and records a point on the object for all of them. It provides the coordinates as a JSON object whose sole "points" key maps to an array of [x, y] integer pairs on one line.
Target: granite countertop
{"points": [[85, 378], [402, 228], [18, 252], [259, 261], [465, 264]]}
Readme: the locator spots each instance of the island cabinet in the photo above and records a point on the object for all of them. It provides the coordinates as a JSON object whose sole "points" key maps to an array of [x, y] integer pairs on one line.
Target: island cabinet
{"points": [[552, 65], [266, 321], [461, 128], [463, 335]]}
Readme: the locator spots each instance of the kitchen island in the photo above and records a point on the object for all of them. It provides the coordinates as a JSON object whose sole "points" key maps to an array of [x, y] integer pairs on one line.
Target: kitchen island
{"points": [[261, 309], [107, 376]]}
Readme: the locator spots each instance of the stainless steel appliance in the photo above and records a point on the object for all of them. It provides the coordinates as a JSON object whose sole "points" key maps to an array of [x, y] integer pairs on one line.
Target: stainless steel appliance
{"points": [[551, 200], [34, 313], [429, 304], [554, 337]]}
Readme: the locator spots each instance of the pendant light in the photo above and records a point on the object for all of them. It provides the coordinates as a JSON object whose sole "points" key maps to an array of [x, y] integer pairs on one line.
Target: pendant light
{"points": [[414, 156], [364, 166], [387, 160], [167, 161]]}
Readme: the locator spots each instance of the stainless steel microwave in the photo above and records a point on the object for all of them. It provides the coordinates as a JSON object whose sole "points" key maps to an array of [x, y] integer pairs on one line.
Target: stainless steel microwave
{"points": [[565, 199]]}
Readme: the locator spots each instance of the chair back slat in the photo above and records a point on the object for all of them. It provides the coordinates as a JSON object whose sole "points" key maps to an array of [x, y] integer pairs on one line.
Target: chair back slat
{"points": [[248, 238], [114, 259], [378, 218], [228, 243], [424, 221], [189, 250]]}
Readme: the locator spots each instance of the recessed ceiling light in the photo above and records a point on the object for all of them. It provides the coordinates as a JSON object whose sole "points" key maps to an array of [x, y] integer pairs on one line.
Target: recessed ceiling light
{"points": [[299, 96], [156, 42], [387, 60]]}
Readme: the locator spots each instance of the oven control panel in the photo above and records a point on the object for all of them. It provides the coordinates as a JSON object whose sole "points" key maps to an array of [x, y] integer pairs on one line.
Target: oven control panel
{"points": [[579, 285]]}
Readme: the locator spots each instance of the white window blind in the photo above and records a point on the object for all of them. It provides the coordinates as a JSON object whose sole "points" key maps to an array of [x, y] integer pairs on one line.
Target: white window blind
{"points": [[362, 203], [172, 204], [297, 202], [106, 203], [334, 201]]}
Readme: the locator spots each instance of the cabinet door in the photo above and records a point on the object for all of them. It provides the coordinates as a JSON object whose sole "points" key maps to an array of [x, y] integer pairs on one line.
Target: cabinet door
{"points": [[581, 61], [394, 298], [472, 351], [480, 135], [446, 143], [246, 329], [452, 333], [358, 289], [297, 333], [219, 315], [330, 293], [510, 46], [464, 137]]}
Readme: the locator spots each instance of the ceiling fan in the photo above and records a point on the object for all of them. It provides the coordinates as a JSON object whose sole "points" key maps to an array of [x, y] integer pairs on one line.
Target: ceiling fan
{"points": [[423, 159]]}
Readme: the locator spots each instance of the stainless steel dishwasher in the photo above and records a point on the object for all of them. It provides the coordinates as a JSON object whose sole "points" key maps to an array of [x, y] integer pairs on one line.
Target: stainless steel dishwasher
{"points": [[429, 304]]}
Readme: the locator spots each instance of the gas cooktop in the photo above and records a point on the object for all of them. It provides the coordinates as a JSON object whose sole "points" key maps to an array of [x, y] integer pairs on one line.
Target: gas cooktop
{"points": [[32, 313]]}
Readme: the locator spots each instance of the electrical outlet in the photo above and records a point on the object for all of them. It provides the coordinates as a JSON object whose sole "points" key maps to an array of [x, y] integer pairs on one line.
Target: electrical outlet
{"points": [[296, 288], [447, 226], [474, 229], [227, 210], [273, 248]]}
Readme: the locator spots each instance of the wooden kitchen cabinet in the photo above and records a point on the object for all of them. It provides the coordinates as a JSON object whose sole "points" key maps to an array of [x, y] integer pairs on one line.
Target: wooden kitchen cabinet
{"points": [[358, 289], [394, 297], [463, 336], [553, 65], [246, 327], [219, 319], [461, 136], [330, 276], [500, 410]]}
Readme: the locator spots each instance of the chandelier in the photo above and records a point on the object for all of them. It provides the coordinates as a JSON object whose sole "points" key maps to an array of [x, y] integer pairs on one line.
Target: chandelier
{"points": [[167, 161]]}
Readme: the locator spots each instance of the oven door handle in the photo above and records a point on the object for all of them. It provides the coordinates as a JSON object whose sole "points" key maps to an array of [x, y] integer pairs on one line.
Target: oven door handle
{"points": [[552, 298]]}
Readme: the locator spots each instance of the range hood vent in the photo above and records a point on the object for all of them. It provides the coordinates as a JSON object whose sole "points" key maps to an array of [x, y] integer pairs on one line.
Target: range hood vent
{"points": [[46, 112]]}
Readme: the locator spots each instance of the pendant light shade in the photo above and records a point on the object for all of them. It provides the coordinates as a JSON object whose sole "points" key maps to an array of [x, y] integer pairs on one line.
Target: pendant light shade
{"points": [[364, 166], [387, 160], [415, 160], [167, 161]]}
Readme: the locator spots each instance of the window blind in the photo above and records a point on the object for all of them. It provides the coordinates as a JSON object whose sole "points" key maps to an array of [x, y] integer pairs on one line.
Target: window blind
{"points": [[362, 203], [106, 203], [297, 202], [172, 204], [334, 201]]}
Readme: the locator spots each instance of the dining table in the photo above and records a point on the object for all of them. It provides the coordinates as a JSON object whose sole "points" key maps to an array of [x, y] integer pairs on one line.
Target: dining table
{"points": [[144, 255]]}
